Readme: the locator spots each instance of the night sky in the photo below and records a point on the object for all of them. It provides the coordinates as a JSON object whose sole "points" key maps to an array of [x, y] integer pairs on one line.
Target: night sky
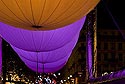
{"points": [[111, 14]]}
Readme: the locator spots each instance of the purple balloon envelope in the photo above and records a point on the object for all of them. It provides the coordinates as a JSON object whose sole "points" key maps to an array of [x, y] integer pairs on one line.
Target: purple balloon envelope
{"points": [[38, 41], [46, 67], [49, 56]]}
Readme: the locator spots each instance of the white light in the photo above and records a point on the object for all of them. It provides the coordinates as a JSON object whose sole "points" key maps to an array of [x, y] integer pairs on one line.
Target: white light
{"points": [[21, 74], [105, 73], [111, 72], [58, 73], [64, 80], [6, 78], [61, 81], [54, 75], [70, 76], [80, 75], [40, 78]]}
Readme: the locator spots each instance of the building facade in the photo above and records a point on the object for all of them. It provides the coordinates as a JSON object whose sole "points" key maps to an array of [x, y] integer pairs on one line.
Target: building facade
{"points": [[110, 55], [111, 51]]}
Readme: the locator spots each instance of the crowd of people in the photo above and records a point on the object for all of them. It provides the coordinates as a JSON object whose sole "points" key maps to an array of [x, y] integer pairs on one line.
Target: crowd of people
{"points": [[46, 79]]}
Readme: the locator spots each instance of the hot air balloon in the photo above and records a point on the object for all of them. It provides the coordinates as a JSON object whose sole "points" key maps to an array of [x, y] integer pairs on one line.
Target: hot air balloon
{"points": [[38, 41], [50, 56], [44, 14], [45, 67], [51, 60]]}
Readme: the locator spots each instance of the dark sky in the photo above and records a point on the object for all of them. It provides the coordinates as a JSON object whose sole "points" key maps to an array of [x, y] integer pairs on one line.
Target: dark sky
{"points": [[111, 14]]}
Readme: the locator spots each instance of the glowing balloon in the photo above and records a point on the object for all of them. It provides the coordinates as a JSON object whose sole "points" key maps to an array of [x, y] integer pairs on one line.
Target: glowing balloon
{"points": [[47, 70], [44, 14], [50, 56], [45, 67], [38, 41]]}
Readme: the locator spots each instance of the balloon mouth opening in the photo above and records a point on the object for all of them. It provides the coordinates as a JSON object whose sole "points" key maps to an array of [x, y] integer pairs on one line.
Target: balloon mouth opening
{"points": [[36, 26]]}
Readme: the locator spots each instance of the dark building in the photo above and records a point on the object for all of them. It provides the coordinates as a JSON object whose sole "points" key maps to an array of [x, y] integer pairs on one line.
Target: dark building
{"points": [[110, 47]]}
